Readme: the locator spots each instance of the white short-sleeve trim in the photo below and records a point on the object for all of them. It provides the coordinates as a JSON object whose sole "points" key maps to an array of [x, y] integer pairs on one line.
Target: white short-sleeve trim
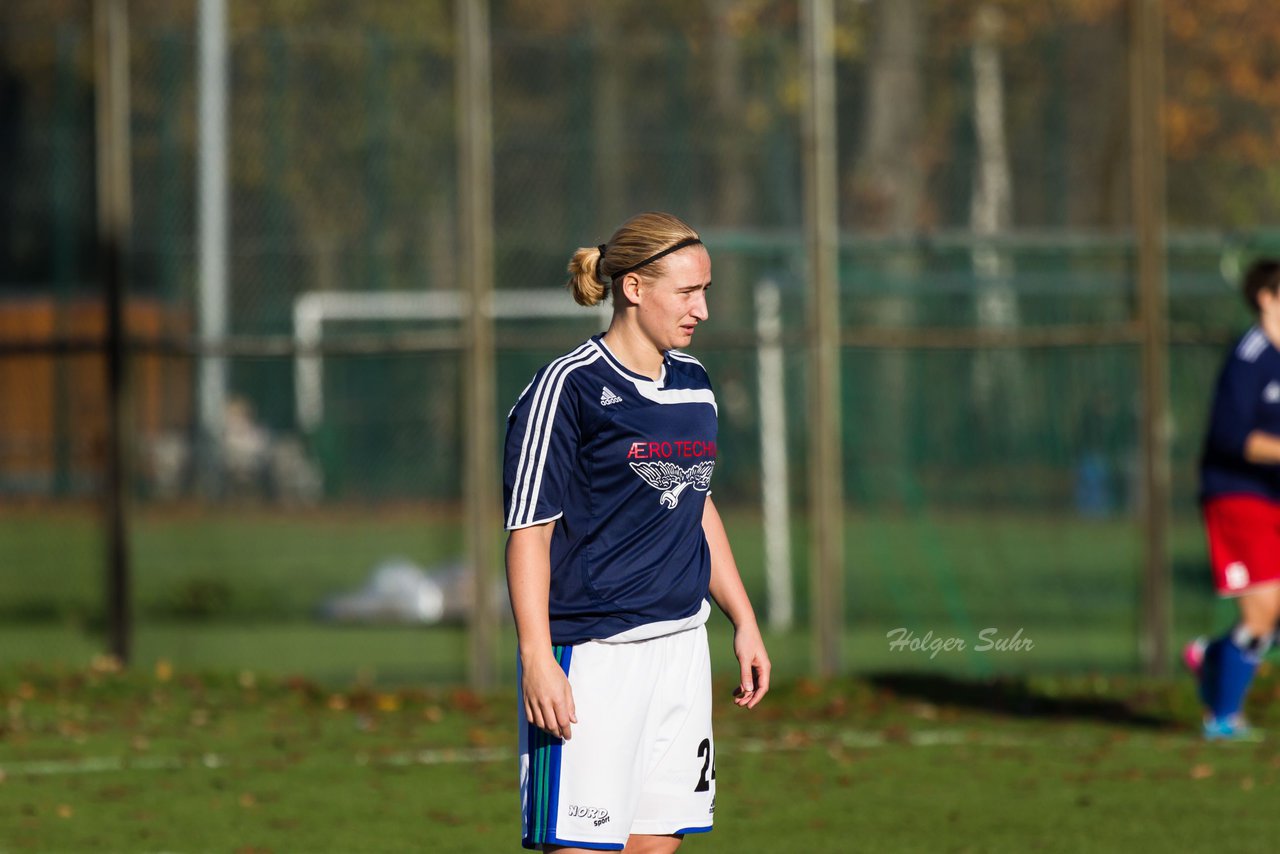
{"points": [[536, 523]]}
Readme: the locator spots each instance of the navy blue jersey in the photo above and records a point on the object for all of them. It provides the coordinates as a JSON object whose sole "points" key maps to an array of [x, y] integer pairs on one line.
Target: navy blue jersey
{"points": [[1247, 399], [622, 463]]}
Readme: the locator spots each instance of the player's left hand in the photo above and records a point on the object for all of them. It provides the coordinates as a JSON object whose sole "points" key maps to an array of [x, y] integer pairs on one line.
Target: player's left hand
{"points": [[753, 661]]}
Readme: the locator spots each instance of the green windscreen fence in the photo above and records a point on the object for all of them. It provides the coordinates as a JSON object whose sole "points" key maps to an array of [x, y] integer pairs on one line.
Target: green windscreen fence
{"points": [[991, 382]]}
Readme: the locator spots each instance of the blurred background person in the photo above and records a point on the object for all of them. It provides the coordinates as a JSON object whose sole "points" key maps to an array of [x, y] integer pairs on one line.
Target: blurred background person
{"points": [[1240, 491]]}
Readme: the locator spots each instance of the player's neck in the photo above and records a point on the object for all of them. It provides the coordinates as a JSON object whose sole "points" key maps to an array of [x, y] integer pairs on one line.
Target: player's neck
{"points": [[1270, 324], [1268, 303], [634, 350], [1269, 320]]}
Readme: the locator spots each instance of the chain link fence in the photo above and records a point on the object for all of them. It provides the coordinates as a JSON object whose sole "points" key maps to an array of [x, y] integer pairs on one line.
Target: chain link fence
{"points": [[991, 363]]}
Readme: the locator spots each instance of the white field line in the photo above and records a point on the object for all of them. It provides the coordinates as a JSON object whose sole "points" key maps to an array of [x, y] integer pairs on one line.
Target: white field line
{"points": [[101, 764], [801, 741], [860, 739]]}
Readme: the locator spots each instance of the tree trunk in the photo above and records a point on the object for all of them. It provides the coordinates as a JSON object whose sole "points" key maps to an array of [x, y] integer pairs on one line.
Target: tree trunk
{"points": [[609, 155], [889, 186], [732, 188], [890, 182], [997, 376]]}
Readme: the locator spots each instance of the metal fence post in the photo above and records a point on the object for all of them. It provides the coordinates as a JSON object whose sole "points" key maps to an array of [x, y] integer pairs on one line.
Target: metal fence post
{"points": [[213, 213], [1146, 92], [475, 172], [826, 490], [111, 31]]}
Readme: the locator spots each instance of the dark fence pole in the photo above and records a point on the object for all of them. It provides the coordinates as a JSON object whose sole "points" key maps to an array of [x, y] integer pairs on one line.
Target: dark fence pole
{"points": [[826, 471], [475, 203], [1146, 87], [111, 30]]}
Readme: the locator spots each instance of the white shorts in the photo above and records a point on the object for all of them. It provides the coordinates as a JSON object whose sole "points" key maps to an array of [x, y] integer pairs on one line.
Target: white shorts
{"points": [[641, 759]]}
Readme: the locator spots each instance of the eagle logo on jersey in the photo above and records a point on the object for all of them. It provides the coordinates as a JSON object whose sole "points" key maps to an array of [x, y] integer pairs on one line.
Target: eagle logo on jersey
{"points": [[673, 480]]}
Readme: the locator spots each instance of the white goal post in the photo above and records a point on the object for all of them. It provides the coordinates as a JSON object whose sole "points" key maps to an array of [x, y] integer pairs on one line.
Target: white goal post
{"points": [[774, 489], [311, 311]]}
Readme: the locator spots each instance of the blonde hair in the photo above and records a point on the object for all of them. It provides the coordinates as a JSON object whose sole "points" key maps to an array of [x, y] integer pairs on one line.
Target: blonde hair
{"points": [[638, 239]]}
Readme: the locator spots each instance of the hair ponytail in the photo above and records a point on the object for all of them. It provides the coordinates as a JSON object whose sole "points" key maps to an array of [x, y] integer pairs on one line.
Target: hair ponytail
{"points": [[585, 279]]}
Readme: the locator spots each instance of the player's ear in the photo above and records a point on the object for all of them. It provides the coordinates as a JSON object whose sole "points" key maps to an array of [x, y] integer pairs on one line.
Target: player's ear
{"points": [[631, 288]]}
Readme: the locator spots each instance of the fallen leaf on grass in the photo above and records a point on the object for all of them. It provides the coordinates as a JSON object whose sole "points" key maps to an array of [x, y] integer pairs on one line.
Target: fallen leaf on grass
{"points": [[806, 687], [465, 701], [795, 739], [115, 793], [445, 817], [925, 711], [1201, 772], [105, 664]]}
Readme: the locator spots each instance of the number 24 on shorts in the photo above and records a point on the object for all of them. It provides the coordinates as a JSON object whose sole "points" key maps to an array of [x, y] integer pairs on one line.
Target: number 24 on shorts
{"points": [[704, 751]]}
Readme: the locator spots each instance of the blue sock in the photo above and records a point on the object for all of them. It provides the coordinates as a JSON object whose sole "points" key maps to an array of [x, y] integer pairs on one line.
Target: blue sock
{"points": [[1229, 664]]}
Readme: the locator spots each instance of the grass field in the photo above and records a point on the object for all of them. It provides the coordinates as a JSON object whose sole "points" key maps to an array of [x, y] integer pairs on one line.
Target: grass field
{"points": [[247, 725], [237, 588], [92, 759]]}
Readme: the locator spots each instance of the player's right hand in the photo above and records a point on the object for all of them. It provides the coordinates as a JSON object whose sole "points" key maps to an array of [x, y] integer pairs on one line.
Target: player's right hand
{"points": [[548, 698]]}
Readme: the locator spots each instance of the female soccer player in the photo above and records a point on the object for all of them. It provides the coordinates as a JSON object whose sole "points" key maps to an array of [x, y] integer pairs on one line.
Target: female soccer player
{"points": [[1240, 494], [614, 547]]}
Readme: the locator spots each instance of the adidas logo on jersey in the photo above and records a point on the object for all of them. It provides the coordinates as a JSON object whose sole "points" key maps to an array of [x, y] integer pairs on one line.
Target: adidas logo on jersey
{"points": [[1271, 394], [607, 397]]}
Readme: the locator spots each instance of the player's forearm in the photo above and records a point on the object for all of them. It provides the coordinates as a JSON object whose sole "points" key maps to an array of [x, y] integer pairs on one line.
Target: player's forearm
{"points": [[529, 584], [1262, 447], [731, 596], [726, 583]]}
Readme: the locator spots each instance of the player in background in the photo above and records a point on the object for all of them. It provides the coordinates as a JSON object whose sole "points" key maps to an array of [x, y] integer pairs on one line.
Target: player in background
{"points": [[1240, 496], [615, 547]]}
